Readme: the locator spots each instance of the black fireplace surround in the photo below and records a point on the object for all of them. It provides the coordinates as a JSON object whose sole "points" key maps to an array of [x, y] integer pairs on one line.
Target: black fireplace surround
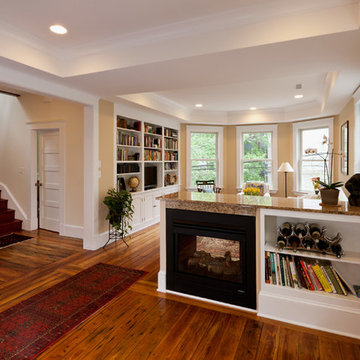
{"points": [[211, 256]]}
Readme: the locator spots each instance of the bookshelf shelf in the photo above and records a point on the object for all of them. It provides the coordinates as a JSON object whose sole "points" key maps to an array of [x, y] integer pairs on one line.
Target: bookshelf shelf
{"points": [[128, 161], [129, 146], [128, 130], [329, 311], [128, 173], [351, 257]]}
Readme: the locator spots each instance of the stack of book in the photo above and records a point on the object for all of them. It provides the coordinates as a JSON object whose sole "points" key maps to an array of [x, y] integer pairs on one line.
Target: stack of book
{"points": [[152, 155], [299, 272]]}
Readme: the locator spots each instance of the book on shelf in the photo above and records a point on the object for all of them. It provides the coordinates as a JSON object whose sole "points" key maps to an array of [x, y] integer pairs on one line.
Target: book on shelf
{"points": [[298, 272]]}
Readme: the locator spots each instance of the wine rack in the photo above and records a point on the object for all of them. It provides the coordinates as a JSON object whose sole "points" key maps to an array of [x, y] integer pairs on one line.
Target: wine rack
{"points": [[308, 237]]}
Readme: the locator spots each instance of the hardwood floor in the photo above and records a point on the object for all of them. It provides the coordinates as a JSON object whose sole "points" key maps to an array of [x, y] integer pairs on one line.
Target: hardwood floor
{"points": [[144, 324]]}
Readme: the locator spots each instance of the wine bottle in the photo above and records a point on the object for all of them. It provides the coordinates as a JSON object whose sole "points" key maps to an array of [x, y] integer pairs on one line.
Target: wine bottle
{"points": [[285, 229], [308, 242], [281, 242], [322, 244], [300, 229], [294, 241], [337, 250], [315, 231]]}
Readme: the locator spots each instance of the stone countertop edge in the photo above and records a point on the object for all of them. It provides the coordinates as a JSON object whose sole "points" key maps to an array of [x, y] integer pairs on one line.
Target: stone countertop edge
{"points": [[235, 205]]}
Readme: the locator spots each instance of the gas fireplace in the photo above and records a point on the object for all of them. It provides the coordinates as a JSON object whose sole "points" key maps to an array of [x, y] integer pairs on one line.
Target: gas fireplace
{"points": [[211, 256]]}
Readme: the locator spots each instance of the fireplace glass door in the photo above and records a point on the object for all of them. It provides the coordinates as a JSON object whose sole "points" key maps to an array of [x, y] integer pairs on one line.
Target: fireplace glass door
{"points": [[212, 257]]}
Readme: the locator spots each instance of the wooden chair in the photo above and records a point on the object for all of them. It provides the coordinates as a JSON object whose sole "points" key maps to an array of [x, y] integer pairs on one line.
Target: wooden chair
{"points": [[207, 186]]}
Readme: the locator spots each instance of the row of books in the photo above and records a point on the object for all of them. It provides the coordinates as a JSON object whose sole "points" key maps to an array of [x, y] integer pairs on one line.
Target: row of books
{"points": [[150, 141], [152, 155], [170, 132], [131, 140], [128, 168], [298, 272], [171, 144], [170, 166], [125, 154], [171, 156]]}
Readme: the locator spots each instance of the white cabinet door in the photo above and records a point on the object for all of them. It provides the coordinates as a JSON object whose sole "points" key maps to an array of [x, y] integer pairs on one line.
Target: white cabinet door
{"points": [[138, 211], [156, 206], [148, 207]]}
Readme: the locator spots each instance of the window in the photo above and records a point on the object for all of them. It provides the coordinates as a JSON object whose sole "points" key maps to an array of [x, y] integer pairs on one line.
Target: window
{"points": [[257, 154], [310, 135], [204, 154]]}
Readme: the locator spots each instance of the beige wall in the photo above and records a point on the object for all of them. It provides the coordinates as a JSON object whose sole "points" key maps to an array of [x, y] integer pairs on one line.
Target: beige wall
{"points": [[347, 114], [106, 156], [284, 154], [14, 165]]}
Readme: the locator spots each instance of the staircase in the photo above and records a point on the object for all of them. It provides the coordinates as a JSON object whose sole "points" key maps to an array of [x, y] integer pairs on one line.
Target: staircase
{"points": [[8, 223]]}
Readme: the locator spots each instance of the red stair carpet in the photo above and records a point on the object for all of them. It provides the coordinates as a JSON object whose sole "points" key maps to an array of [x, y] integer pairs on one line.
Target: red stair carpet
{"points": [[31, 326], [8, 223]]}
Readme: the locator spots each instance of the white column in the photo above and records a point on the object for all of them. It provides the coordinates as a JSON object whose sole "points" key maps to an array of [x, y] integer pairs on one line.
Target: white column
{"points": [[91, 179]]}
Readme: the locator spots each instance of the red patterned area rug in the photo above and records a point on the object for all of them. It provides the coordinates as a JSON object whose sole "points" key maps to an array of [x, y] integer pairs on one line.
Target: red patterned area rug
{"points": [[31, 326]]}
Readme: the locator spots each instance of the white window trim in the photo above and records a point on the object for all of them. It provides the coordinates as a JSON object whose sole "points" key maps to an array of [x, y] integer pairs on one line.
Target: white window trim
{"points": [[303, 125], [356, 133], [274, 151], [219, 130]]}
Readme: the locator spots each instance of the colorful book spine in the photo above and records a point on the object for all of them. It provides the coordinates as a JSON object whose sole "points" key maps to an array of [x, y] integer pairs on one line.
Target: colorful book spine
{"points": [[291, 282], [323, 281], [294, 273], [273, 271], [281, 271], [307, 277], [328, 279], [333, 279], [300, 272], [338, 280], [314, 278]]}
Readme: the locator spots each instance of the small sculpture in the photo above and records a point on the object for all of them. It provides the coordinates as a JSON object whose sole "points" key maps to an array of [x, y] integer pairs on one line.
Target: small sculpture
{"points": [[353, 187]]}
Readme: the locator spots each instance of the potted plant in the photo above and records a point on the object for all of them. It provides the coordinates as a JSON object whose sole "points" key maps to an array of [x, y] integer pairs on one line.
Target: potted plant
{"points": [[121, 210], [329, 191]]}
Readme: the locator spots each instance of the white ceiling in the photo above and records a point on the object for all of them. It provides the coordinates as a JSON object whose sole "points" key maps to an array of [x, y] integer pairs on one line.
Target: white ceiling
{"points": [[229, 55]]}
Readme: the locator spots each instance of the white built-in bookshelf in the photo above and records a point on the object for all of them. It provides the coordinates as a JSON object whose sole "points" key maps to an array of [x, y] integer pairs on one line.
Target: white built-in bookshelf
{"points": [[328, 311], [143, 149]]}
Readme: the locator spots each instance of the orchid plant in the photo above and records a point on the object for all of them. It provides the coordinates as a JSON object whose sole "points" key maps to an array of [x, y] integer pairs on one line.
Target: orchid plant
{"points": [[328, 158]]}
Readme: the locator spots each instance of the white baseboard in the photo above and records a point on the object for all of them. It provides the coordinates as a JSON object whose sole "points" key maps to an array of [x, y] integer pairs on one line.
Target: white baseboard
{"points": [[12, 203], [161, 281], [72, 231]]}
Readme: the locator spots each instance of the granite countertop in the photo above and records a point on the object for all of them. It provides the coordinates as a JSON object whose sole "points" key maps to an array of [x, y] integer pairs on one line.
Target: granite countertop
{"points": [[244, 204]]}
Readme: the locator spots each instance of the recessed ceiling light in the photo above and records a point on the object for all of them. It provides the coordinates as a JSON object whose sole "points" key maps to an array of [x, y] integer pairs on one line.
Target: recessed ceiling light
{"points": [[253, 108], [199, 105], [298, 96], [58, 29]]}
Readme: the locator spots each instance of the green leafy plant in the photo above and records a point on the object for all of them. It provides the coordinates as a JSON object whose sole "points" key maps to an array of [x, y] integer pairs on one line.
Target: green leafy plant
{"points": [[332, 185], [121, 210]]}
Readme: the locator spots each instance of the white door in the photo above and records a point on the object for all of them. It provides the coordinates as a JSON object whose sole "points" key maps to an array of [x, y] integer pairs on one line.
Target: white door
{"points": [[148, 207], [49, 177]]}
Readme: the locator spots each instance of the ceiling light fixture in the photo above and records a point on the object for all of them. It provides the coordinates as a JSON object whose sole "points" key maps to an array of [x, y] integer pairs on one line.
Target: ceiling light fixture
{"points": [[298, 96], [199, 105], [253, 108], [58, 29]]}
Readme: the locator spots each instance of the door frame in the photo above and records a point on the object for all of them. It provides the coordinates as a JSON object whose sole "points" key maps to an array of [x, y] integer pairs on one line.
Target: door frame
{"points": [[33, 129]]}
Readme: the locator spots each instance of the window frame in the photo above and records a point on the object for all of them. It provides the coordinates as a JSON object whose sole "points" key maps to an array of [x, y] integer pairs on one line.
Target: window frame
{"points": [[240, 130], [219, 131], [297, 131]]}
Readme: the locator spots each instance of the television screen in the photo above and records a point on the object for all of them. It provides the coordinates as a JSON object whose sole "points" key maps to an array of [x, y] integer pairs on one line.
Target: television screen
{"points": [[150, 177]]}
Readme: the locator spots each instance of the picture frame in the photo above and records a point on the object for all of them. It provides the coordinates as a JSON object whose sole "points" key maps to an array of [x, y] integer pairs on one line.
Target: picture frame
{"points": [[345, 148]]}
